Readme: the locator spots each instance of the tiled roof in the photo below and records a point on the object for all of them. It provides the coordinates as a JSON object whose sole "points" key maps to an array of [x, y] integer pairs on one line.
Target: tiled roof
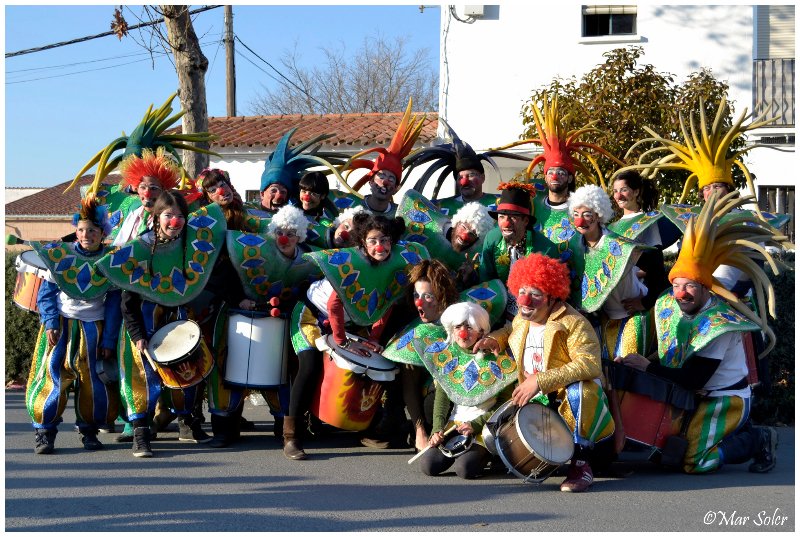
{"points": [[53, 201], [350, 130]]}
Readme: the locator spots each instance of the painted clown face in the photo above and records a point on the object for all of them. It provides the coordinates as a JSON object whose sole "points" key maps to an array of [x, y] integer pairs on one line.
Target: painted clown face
{"points": [[220, 193], [309, 199], [148, 190], [378, 245], [428, 307], [534, 305], [383, 185], [470, 184], [343, 235], [462, 237], [287, 240], [586, 222], [171, 223], [558, 179], [465, 336], [274, 197], [690, 295], [625, 197]]}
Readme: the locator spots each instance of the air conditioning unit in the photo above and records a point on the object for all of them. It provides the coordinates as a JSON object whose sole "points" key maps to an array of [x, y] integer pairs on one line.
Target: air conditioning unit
{"points": [[473, 11]]}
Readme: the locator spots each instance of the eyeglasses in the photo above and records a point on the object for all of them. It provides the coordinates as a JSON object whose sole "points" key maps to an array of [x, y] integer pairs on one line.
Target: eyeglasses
{"points": [[427, 297], [281, 233], [376, 241]]}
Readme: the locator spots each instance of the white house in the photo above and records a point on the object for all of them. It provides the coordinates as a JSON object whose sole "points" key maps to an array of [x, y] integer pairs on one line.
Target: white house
{"points": [[493, 58]]}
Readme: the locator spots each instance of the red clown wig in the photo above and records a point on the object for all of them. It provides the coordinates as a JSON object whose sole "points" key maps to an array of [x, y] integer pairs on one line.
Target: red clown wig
{"points": [[159, 165], [546, 274]]}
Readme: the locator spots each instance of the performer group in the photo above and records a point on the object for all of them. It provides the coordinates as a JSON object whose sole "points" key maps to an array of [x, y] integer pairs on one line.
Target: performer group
{"points": [[533, 328]]}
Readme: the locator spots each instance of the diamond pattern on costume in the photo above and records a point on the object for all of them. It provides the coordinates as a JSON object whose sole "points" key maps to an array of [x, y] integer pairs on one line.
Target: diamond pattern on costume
{"points": [[154, 281], [275, 288], [65, 263], [704, 325], [252, 263], [119, 257], [203, 246], [495, 369], [350, 279], [418, 216], [343, 203], [84, 278], [401, 277], [439, 346], [412, 257], [614, 248], [251, 239], [471, 375], [482, 293], [197, 267], [201, 221], [339, 258], [417, 238], [137, 273], [357, 296], [450, 366], [405, 339], [372, 304], [178, 281]]}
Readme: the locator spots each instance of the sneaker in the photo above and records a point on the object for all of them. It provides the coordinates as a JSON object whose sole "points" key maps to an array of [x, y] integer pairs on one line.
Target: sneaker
{"points": [[127, 433], [45, 441], [579, 478], [766, 456], [90, 441], [190, 430], [141, 442]]}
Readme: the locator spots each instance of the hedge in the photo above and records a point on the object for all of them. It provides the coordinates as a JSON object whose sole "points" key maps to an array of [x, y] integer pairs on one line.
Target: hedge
{"points": [[22, 328]]}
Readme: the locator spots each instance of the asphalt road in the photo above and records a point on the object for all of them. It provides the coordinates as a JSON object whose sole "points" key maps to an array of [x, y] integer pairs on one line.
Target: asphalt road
{"points": [[347, 487]]}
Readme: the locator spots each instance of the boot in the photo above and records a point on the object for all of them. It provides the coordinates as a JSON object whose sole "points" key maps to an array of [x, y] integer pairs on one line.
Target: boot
{"points": [[222, 427], [141, 442], [45, 441], [292, 448], [190, 430], [89, 439]]}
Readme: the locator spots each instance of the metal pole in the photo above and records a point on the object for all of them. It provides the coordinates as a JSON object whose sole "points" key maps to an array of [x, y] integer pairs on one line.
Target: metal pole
{"points": [[230, 67]]}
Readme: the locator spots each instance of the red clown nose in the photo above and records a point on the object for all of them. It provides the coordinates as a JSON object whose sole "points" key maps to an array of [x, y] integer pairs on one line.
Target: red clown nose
{"points": [[680, 295], [580, 222], [380, 249], [305, 197], [418, 302], [345, 235], [463, 333], [463, 181], [525, 300], [151, 193], [283, 240], [175, 221], [464, 235], [220, 190]]}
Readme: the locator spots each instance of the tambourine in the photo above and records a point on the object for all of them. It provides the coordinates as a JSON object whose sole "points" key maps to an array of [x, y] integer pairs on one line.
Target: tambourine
{"points": [[457, 445], [107, 371]]}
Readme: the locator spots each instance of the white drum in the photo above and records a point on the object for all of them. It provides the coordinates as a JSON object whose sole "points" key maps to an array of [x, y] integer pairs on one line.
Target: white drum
{"points": [[258, 350], [374, 366]]}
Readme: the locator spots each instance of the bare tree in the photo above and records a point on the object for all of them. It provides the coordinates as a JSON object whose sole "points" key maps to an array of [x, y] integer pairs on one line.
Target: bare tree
{"points": [[190, 65], [379, 77]]}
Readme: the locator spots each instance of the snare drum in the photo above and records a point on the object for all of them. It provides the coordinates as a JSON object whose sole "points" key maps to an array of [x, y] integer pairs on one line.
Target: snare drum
{"points": [[349, 391], [179, 354], [258, 350], [503, 412], [534, 442], [31, 272], [652, 409]]}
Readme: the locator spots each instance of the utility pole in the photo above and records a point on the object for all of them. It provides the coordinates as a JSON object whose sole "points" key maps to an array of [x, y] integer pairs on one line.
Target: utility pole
{"points": [[230, 67]]}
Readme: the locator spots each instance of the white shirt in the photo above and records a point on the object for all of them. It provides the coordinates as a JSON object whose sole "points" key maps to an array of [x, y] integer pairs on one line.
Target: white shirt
{"points": [[319, 292], [629, 286], [729, 350], [129, 227], [650, 236], [533, 355]]}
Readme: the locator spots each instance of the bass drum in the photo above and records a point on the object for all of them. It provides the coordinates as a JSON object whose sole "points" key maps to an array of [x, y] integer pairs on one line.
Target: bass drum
{"points": [[258, 347], [350, 389], [31, 272], [534, 443]]}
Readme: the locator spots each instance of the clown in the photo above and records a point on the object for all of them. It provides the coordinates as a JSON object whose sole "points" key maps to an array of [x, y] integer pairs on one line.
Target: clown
{"points": [[700, 325], [558, 355], [80, 321]]}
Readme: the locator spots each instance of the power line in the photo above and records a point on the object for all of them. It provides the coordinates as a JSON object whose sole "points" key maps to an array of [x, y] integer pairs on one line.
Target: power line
{"points": [[301, 90], [104, 34]]}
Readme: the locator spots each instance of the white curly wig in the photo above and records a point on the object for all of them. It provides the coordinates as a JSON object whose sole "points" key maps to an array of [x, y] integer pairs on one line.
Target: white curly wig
{"points": [[469, 312], [348, 214], [595, 198], [289, 217], [476, 217]]}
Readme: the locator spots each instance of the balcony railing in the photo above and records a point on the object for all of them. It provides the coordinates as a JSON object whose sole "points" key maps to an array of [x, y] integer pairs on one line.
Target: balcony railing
{"points": [[773, 90]]}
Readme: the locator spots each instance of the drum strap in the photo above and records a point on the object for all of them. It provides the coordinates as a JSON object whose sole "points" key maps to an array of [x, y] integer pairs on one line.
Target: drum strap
{"points": [[740, 385]]}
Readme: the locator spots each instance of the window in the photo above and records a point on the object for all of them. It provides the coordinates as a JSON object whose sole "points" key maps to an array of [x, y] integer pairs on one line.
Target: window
{"points": [[252, 196], [601, 21]]}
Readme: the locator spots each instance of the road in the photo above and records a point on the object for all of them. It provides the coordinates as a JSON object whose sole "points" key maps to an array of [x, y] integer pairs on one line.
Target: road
{"points": [[347, 487]]}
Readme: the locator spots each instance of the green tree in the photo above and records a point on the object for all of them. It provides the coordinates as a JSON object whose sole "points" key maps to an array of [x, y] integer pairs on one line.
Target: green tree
{"points": [[621, 97], [22, 328]]}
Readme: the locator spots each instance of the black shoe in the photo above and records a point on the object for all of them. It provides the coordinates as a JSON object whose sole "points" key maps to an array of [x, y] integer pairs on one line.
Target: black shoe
{"points": [[246, 425], [45, 441], [90, 441], [222, 427], [190, 429], [141, 442], [766, 456]]}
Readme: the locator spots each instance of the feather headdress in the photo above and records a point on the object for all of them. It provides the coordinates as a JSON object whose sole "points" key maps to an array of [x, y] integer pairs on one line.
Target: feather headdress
{"points": [[451, 157], [156, 164], [561, 147], [703, 153], [388, 158], [287, 164], [719, 237], [93, 212]]}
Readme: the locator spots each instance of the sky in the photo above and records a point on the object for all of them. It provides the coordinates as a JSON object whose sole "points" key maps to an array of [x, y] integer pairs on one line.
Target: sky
{"points": [[65, 104]]}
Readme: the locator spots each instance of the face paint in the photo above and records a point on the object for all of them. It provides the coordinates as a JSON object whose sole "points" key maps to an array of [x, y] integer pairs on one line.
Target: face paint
{"points": [[283, 240], [463, 333], [580, 222], [524, 300], [464, 181], [380, 249], [418, 302], [175, 221]]}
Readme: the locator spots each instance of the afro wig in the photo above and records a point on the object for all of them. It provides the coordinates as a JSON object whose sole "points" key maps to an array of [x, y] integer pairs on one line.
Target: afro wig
{"points": [[289, 217], [348, 214], [469, 312], [546, 274], [595, 198], [476, 217]]}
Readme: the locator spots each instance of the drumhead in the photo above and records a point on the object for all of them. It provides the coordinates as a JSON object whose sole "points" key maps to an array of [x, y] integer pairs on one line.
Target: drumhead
{"points": [[174, 341], [29, 261], [252, 314], [356, 362], [545, 433]]}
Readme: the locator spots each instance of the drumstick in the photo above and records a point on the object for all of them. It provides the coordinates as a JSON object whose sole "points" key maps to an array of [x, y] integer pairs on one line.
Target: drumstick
{"points": [[426, 448]]}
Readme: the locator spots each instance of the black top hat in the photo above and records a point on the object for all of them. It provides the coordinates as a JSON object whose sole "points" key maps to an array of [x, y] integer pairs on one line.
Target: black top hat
{"points": [[514, 201]]}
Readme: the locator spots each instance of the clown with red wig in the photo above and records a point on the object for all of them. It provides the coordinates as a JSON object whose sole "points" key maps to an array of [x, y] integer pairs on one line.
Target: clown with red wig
{"points": [[558, 355]]}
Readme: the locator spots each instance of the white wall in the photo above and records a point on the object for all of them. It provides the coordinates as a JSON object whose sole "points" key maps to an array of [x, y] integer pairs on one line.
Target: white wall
{"points": [[518, 48]]}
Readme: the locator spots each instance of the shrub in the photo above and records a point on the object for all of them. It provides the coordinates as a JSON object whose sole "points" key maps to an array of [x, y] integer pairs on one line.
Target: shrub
{"points": [[22, 327]]}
